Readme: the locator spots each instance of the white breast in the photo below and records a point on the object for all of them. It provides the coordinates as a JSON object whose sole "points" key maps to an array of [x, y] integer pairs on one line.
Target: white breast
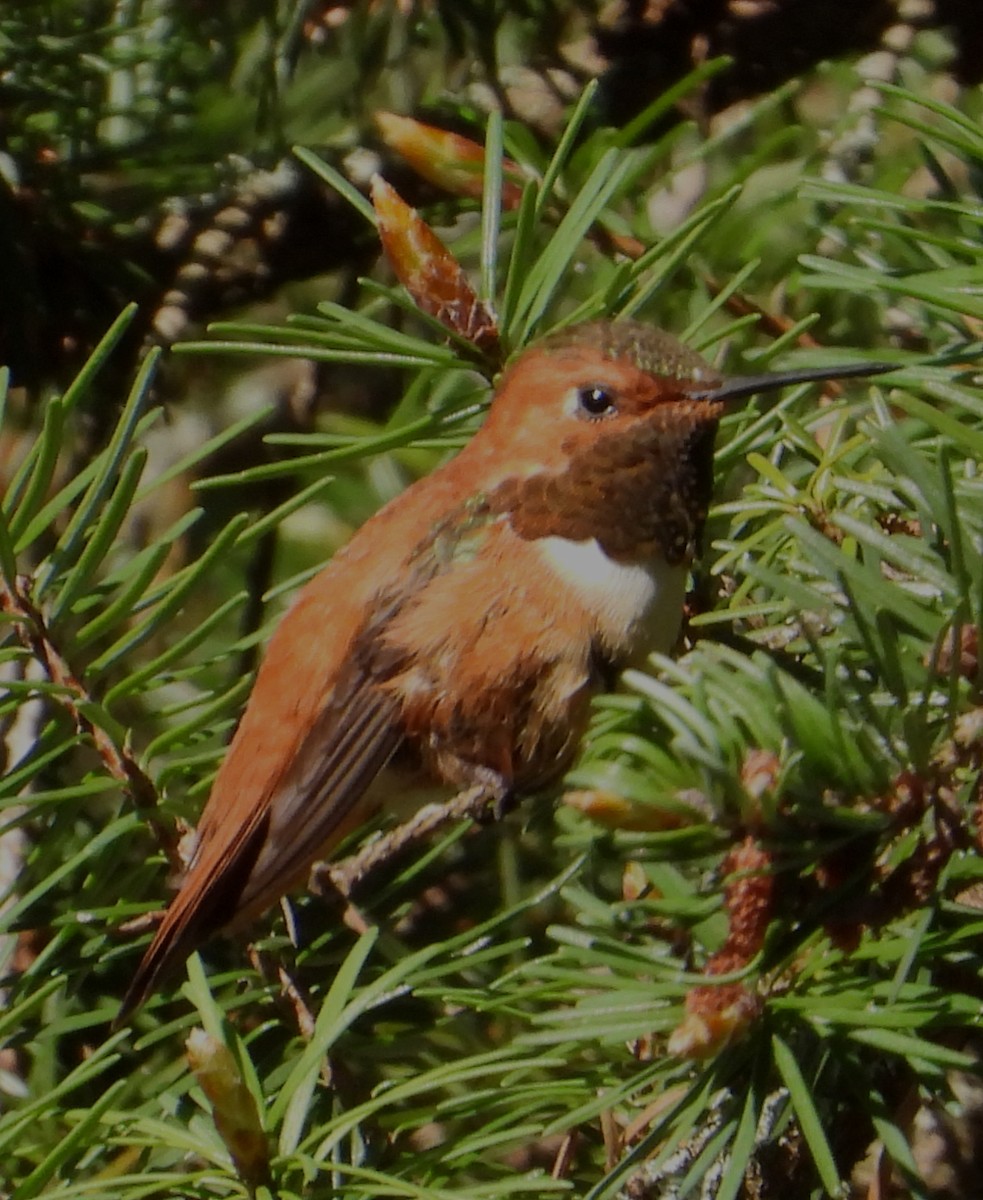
{"points": [[637, 609]]}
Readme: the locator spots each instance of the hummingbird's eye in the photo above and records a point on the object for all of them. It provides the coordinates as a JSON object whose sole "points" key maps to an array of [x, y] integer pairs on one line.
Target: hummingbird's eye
{"points": [[596, 401]]}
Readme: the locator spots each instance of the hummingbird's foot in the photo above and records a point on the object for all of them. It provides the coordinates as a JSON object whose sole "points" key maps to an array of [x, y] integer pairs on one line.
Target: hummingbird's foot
{"points": [[497, 797], [504, 804]]}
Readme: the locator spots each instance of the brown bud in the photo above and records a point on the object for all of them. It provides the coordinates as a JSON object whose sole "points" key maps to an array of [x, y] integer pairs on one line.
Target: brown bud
{"points": [[233, 1106]]}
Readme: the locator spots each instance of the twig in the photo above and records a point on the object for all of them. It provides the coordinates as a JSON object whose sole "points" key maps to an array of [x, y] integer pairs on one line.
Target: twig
{"points": [[346, 875], [302, 1013], [121, 765]]}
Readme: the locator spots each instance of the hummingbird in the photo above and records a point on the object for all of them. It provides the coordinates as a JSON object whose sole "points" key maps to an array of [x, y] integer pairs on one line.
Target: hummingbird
{"points": [[458, 638]]}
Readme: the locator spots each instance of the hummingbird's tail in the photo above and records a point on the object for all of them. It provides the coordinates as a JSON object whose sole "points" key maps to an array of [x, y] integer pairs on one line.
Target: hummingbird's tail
{"points": [[206, 903]]}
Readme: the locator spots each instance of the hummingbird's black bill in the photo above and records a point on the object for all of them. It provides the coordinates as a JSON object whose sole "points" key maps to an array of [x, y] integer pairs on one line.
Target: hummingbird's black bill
{"points": [[749, 385]]}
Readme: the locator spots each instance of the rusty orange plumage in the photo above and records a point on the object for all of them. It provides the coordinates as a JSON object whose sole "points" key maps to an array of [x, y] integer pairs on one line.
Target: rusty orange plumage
{"points": [[462, 632]]}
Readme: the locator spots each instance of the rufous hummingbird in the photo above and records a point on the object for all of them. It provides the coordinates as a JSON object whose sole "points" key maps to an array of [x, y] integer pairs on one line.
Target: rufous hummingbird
{"points": [[459, 637]]}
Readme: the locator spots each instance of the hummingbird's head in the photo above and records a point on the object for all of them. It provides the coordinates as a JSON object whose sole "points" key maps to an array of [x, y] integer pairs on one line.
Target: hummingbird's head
{"points": [[599, 432], [606, 430], [592, 383]]}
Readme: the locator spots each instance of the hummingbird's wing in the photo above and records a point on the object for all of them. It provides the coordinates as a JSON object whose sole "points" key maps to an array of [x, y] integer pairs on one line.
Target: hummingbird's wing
{"points": [[315, 802], [350, 742], [241, 866]]}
